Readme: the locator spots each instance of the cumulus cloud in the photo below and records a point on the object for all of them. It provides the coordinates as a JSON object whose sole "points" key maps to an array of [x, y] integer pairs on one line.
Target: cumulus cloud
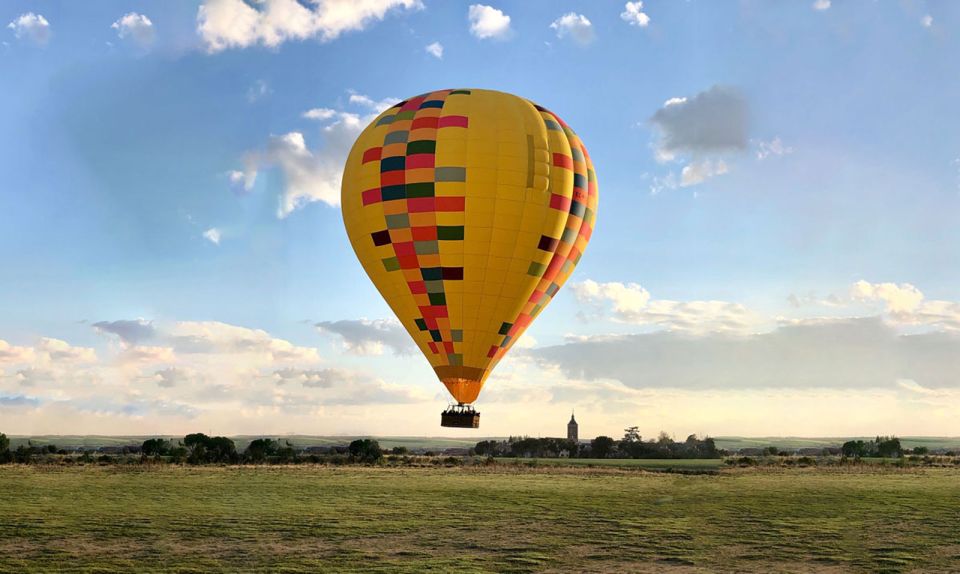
{"points": [[371, 104], [633, 14], [841, 353], [903, 298], [32, 27], [319, 114], [906, 305], [700, 171], [435, 49], [136, 27], [311, 175], [631, 303], [926, 21], [343, 387], [701, 127], [58, 351], [574, 25], [224, 24], [146, 355], [212, 235], [130, 331], [488, 22], [366, 337], [773, 147], [713, 121], [821, 5], [174, 376], [308, 176], [11, 355], [223, 338]]}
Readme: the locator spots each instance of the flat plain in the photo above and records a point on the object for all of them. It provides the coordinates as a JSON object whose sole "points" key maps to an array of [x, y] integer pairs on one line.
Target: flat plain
{"points": [[499, 518]]}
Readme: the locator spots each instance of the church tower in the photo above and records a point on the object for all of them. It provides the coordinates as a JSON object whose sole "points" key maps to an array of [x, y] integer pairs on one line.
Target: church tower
{"points": [[573, 429]]}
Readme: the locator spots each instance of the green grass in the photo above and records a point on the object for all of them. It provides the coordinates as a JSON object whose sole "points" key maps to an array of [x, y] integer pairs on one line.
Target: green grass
{"points": [[642, 463], [478, 519], [439, 443]]}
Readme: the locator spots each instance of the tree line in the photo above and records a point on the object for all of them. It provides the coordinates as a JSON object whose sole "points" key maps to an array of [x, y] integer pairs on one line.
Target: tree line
{"points": [[198, 448], [880, 447], [631, 445]]}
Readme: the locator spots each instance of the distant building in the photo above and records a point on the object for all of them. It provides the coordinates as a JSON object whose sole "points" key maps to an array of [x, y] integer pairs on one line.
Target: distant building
{"points": [[573, 429]]}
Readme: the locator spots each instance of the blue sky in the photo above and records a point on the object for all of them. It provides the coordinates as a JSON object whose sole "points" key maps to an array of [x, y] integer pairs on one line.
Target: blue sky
{"points": [[818, 219]]}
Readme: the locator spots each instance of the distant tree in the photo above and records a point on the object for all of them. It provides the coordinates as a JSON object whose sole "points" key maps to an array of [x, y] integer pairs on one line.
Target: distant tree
{"points": [[854, 449], [51, 449], [771, 450], [260, 449], [155, 447], [889, 447], [286, 453], [921, 450], [221, 449], [601, 447], [178, 454], [400, 450], [631, 434], [23, 454], [202, 448], [196, 445], [366, 450], [5, 454]]}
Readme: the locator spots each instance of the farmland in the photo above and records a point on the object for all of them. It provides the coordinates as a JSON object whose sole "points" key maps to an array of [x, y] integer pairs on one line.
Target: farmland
{"points": [[497, 518]]}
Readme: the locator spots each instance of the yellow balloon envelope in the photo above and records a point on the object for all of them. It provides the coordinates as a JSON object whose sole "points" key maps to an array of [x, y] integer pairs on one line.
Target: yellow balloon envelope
{"points": [[469, 210]]}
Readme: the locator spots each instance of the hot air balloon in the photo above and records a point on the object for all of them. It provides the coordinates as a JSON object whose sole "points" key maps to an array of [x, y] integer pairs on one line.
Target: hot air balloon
{"points": [[468, 209]]}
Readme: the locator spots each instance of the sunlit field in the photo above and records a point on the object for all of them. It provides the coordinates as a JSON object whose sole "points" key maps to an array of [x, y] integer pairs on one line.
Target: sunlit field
{"points": [[500, 518]]}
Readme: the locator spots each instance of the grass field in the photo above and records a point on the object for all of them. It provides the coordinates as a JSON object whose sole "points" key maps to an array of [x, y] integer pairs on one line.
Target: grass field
{"points": [[479, 519], [729, 443], [641, 463]]}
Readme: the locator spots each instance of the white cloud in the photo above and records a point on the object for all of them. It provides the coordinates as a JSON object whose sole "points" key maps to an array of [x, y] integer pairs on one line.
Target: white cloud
{"points": [[311, 175], [577, 26], [212, 235], [214, 337], [58, 351], [926, 21], [700, 171], [633, 14], [366, 337], [319, 114], [713, 121], [224, 24], [370, 103], [10, 354], [906, 305], [839, 353], [435, 49], [526, 342], [488, 22], [631, 303], [30, 26], [146, 355], [308, 176], [136, 27], [903, 298], [174, 376], [821, 5], [131, 332], [773, 147]]}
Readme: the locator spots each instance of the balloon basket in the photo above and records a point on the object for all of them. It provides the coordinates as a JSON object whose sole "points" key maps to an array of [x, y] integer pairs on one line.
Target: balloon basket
{"points": [[460, 416]]}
